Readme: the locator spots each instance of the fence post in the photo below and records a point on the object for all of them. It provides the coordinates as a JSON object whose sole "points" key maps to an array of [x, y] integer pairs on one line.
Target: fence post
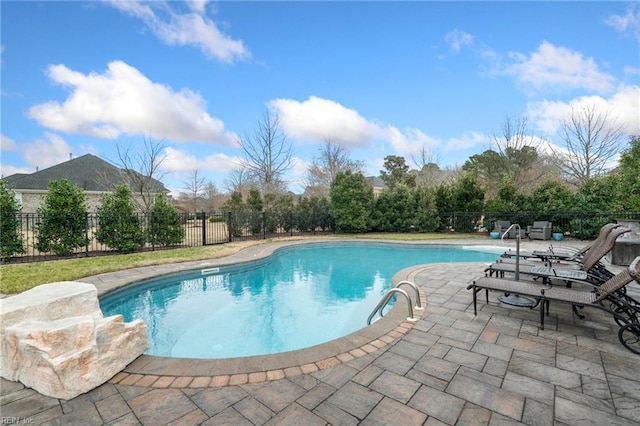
{"points": [[264, 225], [229, 227], [204, 228], [86, 233]]}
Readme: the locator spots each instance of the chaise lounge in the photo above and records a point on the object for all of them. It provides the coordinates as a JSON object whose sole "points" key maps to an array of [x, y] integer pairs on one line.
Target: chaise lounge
{"points": [[625, 310]]}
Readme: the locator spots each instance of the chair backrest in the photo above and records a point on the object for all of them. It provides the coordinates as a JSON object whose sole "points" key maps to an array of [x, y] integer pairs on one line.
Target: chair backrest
{"points": [[504, 224], [597, 252], [634, 269], [620, 280], [541, 224], [602, 235]]}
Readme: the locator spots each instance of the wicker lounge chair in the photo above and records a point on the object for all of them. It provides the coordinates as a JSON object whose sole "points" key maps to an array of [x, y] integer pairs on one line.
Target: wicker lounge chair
{"points": [[609, 296], [565, 253], [589, 269]]}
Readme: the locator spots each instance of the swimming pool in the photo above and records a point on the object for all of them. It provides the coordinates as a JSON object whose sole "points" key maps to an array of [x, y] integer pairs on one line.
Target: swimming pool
{"points": [[298, 297]]}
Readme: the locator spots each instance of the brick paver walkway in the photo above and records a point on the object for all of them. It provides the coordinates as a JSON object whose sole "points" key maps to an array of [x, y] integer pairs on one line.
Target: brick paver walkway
{"points": [[450, 367]]}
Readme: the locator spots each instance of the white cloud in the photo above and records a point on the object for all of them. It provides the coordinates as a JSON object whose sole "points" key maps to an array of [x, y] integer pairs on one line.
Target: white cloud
{"points": [[458, 38], [183, 29], [46, 152], [623, 106], [180, 161], [7, 144], [628, 23], [554, 66], [318, 118], [466, 141], [124, 101]]}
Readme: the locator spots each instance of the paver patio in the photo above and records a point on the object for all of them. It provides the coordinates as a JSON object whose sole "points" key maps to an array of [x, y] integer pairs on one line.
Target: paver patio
{"points": [[450, 367]]}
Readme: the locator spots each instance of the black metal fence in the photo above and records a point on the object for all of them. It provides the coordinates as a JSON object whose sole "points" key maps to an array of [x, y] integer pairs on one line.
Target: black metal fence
{"points": [[206, 228], [199, 229], [581, 225]]}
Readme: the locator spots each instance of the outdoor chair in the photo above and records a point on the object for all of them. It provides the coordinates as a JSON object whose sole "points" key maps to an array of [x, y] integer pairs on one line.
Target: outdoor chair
{"points": [[501, 227], [610, 296], [589, 269], [540, 230], [565, 253]]}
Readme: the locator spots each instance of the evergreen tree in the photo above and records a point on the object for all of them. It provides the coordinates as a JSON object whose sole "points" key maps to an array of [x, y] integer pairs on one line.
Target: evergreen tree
{"points": [[352, 201], [10, 236], [119, 226], [165, 223], [63, 219]]}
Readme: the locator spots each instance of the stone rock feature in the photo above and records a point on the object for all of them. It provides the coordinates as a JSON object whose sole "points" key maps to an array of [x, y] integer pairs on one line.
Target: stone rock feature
{"points": [[56, 340]]}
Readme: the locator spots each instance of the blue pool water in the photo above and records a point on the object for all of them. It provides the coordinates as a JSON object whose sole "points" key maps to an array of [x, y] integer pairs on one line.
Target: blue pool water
{"points": [[299, 297]]}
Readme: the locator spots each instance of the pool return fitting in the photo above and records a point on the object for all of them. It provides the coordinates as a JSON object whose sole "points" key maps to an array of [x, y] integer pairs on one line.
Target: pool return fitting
{"points": [[396, 290]]}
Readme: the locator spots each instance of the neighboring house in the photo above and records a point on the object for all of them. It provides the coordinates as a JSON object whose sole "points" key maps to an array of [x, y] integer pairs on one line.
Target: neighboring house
{"points": [[376, 183], [94, 175]]}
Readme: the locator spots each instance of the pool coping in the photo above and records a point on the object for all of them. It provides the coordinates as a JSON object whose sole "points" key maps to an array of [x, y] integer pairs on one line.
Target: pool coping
{"points": [[164, 372]]}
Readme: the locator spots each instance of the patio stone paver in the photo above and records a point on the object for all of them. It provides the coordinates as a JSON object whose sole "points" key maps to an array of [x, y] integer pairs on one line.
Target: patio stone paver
{"points": [[448, 368]]}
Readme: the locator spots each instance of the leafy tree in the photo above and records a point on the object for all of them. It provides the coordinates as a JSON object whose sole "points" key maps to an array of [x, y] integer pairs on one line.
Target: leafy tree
{"points": [[444, 205], [255, 207], [352, 201], [426, 212], [119, 226], [10, 236], [468, 199], [236, 205], [63, 219], [394, 210], [594, 195], [165, 223], [628, 193], [396, 171], [313, 213]]}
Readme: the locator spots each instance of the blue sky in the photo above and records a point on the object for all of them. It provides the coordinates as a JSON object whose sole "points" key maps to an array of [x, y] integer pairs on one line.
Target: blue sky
{"points": [[381, 78]]}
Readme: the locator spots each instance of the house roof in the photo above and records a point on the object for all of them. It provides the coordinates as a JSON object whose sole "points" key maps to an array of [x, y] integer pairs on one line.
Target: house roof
{"points": [[88, 172]]}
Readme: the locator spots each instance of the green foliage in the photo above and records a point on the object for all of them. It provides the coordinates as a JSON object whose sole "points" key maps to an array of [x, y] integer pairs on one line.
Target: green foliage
{"points": [[352, 201], [444, 205], [394, 210], [119, 225], [313, 213], [63, 219], [628, 188], [165, 223], [426, 217], [235, 205], [10, 236], [281, 213], [467, 197], [396, 172], [254, 205], [595, 194]]}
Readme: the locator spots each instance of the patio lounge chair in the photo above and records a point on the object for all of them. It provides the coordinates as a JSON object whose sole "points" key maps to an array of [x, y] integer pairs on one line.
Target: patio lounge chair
{"points": [[565, 253], [590, 269], [609, 296], [540, 230]]}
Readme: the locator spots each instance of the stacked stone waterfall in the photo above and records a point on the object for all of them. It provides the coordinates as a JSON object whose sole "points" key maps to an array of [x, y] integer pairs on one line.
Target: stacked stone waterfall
{"points": [[56, 340]]}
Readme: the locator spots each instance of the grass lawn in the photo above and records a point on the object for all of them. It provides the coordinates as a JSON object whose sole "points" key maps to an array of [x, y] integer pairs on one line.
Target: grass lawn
{"points": [[16, 278]]}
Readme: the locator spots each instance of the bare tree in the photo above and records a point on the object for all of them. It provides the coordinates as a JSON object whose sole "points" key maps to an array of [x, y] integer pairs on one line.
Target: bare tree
{"points": [[332, 159], [519, 149], [427, 171], [267, 154], [195, 187], [592, 138], [238, 181], [143, 166]]}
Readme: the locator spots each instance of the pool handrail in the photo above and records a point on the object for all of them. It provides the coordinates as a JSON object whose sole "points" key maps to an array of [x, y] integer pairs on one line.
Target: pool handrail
{"points": [[385, 300]]}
